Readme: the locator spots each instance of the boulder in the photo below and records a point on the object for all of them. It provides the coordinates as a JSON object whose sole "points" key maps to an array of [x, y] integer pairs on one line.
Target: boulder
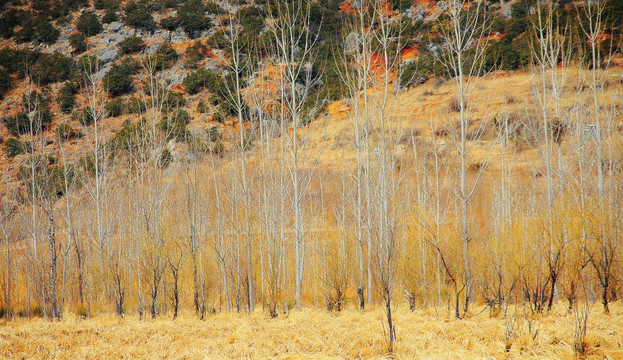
{"points": [[109, 39], [165, 36], [415, 13], [175, 78], [108, 56], [115, 26], [432, 48], [152, 49], [178, 36], [420, 13], [127, 32]]}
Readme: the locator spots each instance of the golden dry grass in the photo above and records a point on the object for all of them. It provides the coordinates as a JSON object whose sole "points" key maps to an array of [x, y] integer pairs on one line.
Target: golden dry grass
{"points": [[312, 334]]}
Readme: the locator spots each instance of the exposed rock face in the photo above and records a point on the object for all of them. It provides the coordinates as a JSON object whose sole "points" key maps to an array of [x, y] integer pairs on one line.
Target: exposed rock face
{"points": [[108, 55], [115, 26], [175, 78], [433, 48], [127, 32], [178, 36], [110, 39], [415, 13], [152, 49], [442, 6]]}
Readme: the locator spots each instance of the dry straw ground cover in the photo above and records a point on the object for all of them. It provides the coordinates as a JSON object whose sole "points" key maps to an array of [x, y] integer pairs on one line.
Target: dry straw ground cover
{"points": [[315, 334]]}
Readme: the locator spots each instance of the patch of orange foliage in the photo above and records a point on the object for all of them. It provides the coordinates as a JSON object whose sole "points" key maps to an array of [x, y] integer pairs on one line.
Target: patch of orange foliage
{"points": [[178, 88], [235, 125], [181, 47], [347, 8], [264, 87], [337, 110], [600, 38], [409, 53], [377, 61], [386, 9], [495, 37], [423, 3]]}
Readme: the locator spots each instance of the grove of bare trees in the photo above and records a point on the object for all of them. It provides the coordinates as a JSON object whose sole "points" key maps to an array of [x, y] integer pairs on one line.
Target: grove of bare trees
{"points": [[484, 204]]}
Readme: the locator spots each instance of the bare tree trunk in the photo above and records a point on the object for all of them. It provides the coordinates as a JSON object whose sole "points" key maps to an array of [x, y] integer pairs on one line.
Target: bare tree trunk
{"points": [[235, 94], [465, 29], [294, 51], [7, 213], [80, 274], [175, 273], [120, 294], [54, 313], [593, 29]]}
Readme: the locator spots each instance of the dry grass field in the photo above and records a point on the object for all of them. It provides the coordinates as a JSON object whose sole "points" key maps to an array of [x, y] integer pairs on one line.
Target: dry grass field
{"points": [[315, 334]]}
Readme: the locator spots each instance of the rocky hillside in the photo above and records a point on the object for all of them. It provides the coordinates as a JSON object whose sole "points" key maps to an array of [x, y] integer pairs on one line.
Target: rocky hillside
{"points": [[50, 48]]}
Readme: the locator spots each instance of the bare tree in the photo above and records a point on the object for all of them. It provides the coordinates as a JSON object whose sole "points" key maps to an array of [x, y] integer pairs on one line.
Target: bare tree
{"points": [[272, 200], [68, 183], [8, 211], [464, 34], [31, 107], [43, 197], [294, 47], [196, 218], [218, 243], [237, 68], [605, 253], [154, 156], [551, 49], [98, 189], [359, 76]]}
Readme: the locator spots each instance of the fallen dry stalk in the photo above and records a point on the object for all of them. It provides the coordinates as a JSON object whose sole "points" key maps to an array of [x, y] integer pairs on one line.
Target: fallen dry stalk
{"points": [[309, 333]]}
